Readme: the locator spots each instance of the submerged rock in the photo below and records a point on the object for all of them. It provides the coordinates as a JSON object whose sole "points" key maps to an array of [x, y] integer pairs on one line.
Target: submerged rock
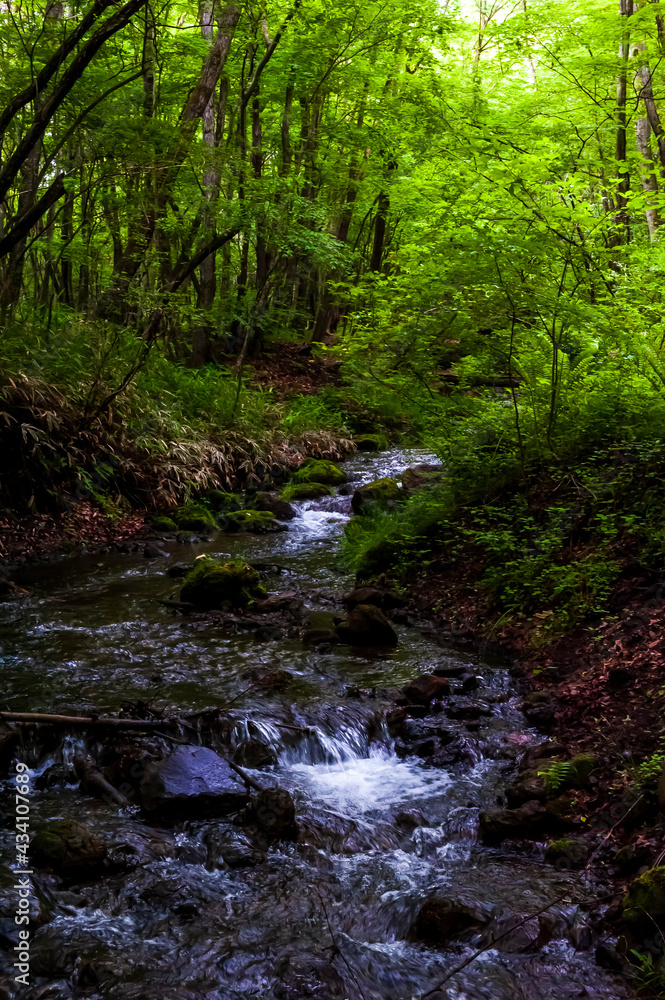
{"points": [[210, 583], [441, 918], [319, 471], [272, 813], [380, 493], [192, 781], [367, 626], [67, 846]]}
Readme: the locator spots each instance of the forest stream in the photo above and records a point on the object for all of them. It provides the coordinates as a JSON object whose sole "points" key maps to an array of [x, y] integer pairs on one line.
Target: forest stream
{"points": [[387, 841]]}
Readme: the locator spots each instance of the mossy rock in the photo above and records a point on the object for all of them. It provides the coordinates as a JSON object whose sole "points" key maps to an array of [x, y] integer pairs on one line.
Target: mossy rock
{"points": [[381, 493], [163, 524], [380, 558], [195, 517], [372, 442], [211, 583], [254, 522], [305, 491], [646, 897], [319, 471], [221, 501], [67, 845], [567, 853]]}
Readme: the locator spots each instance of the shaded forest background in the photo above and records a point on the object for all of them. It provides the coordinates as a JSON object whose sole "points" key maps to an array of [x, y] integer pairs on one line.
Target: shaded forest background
{"points": [[443, 219]]}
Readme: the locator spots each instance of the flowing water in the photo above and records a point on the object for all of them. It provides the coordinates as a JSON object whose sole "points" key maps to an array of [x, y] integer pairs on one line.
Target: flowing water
{"points": [[195, 910]]}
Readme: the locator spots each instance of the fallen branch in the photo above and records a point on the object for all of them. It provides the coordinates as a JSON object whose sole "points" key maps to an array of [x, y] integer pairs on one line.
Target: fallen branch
{"points": [[83, 721]]}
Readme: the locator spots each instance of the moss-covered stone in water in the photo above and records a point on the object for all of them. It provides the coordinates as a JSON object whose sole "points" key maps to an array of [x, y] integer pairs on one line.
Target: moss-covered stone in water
{"points": [[380, 493], [372, 442], [567, 852], [195, 517], [219, 500], [254, 522], [645, 896], [211, 583], [305, 491], [163, 524], [66, 844], [318, 471]]}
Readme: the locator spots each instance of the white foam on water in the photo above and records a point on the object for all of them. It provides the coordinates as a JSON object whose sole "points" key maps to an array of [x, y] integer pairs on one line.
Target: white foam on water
{"points": [[368, 784]]}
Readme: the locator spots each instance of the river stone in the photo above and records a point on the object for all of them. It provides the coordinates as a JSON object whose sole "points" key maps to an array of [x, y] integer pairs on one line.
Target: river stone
{"points": [[380, 493], [273, 813], [192, 781], [67, 846], [539, 708], [440, 919], [282, 509], [426, 687], [423, 474], [384, 599], [367, 626], [531, 821]]}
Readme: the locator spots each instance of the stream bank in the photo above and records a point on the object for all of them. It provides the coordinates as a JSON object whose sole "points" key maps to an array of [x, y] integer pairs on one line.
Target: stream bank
{"points": [[385, 886]]}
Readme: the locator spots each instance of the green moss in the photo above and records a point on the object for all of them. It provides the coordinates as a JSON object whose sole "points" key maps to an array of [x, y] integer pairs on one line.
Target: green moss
{"points": [[380, 493], [219, 500], [49, 843], [305, 491], [163, 524], [318, 471], [255, 522], [372, 442], [211, 582], [195, 517], [646, 896]]}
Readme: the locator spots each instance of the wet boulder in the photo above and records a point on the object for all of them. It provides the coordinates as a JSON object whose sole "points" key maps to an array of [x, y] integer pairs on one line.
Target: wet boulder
{"points": [[252, 522], [211, 582], [154, 552], [287, 602], [382, 493], [281, 509], [305, 491], [567, 852], [68, 847], [163, 523], [191, 781], [528, 787], [441, 918], [530, 821], [179, 569], [319, 637], [384, 599], [425, 688], [539, 708], [253, 752], [319, 471], [644, 903], [422, 475], [367, 626], [195, 517], [371, 442]]}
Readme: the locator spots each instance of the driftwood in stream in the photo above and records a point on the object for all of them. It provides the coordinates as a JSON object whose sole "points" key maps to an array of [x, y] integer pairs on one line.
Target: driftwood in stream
{"points": [[85, 722]]}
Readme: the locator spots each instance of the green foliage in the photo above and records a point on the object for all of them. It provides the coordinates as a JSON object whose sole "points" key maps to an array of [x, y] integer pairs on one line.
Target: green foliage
{"points": [[648, 975], [562, 774], [650, 770]]}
